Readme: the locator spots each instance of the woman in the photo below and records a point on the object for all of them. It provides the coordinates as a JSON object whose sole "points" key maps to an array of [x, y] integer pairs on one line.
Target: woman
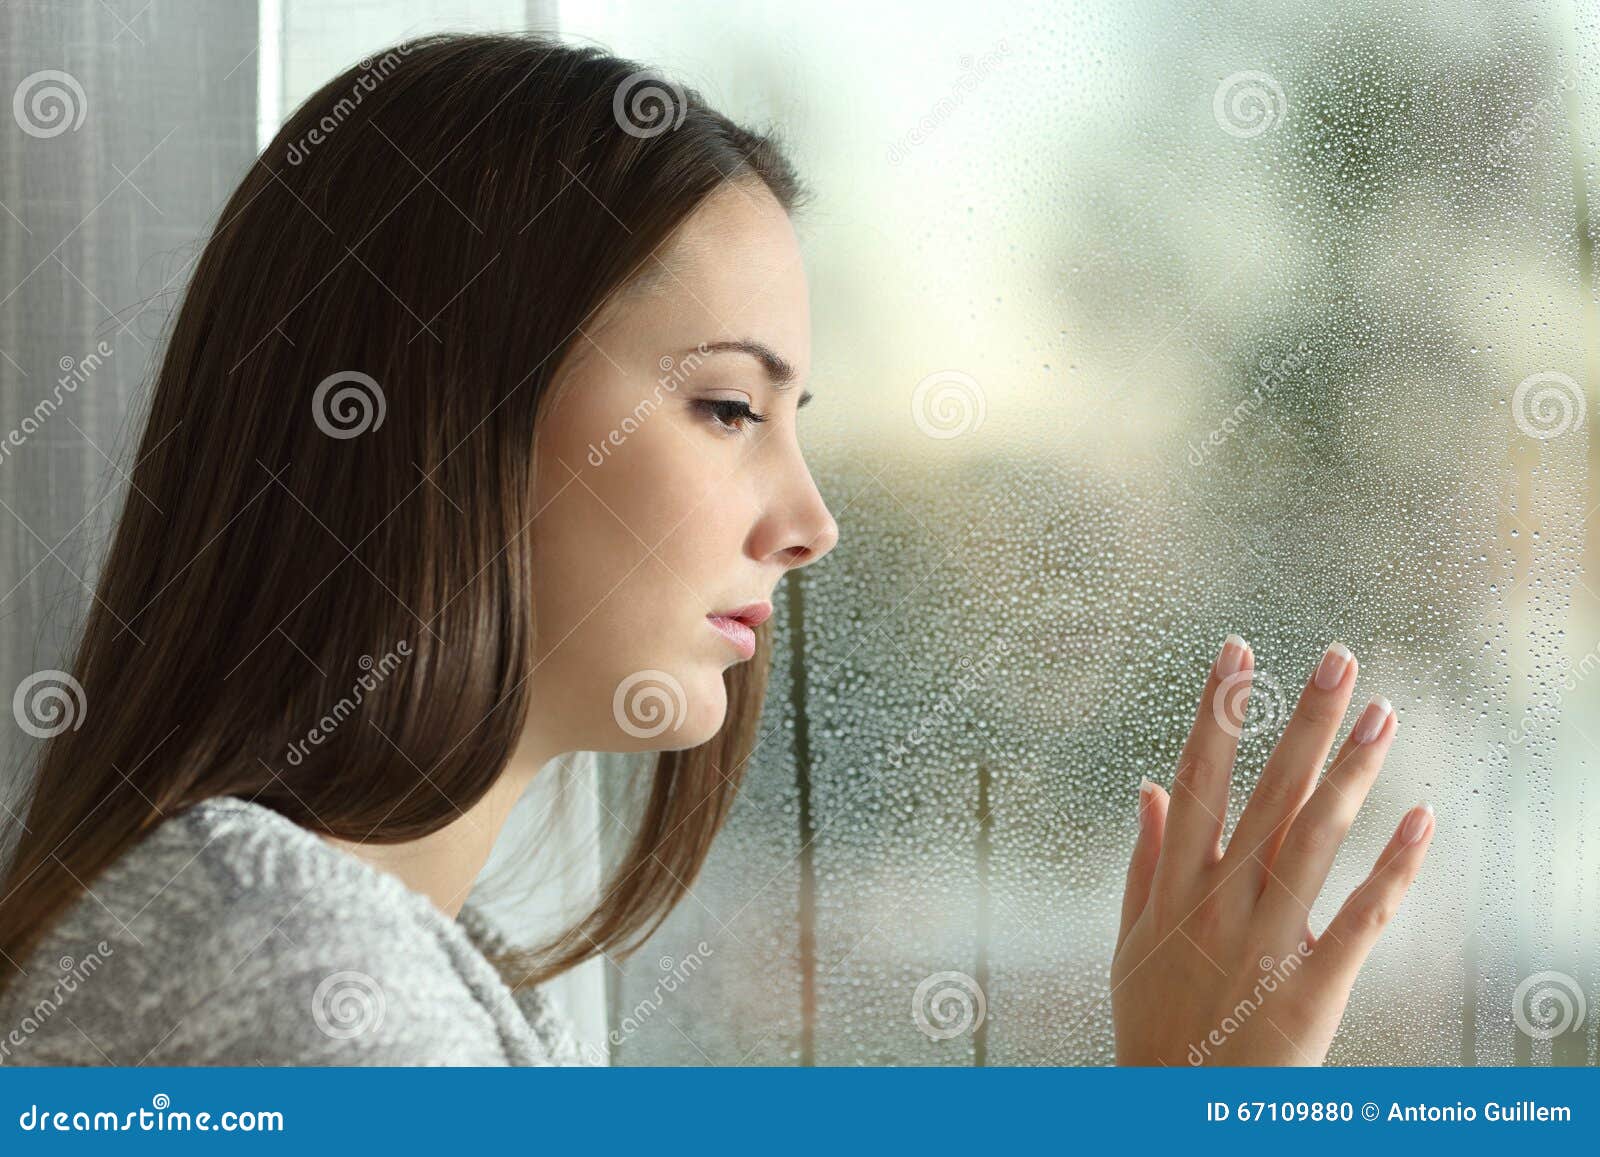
{"points": [[476, 430]]}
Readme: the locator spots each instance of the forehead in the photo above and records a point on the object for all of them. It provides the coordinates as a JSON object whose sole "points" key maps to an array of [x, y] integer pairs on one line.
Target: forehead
{"points": [[732, 270]]}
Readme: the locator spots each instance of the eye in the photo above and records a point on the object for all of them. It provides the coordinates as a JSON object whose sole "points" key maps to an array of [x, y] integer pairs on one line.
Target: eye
{"points": [[733, 415]]}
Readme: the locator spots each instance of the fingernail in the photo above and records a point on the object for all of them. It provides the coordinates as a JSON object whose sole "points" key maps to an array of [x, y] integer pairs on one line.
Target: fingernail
{"points": [[1416, 823], [1231, 657], [1372, 719], [1146, 788], [1335, 662]]}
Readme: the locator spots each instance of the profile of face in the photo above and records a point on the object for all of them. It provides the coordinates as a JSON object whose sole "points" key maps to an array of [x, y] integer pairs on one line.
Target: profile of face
{"points": [[671, 491]]}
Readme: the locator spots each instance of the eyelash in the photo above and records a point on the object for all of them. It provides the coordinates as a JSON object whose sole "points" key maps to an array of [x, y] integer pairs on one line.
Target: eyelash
{"points": [[722, 411]]}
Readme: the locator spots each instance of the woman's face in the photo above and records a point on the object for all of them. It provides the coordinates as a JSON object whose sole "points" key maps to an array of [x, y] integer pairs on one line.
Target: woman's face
{"points": [[661, 504]]}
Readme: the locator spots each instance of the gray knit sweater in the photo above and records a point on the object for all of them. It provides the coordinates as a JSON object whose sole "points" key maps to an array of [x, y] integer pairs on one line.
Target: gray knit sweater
{"points": [[232, 936]]}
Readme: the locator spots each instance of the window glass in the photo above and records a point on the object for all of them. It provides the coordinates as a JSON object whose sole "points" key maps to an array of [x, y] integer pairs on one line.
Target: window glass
{"points": [[1137, 325]]}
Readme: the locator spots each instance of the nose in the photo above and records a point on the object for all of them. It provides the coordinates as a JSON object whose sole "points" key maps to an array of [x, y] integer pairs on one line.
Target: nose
{"points": [[798, 528]]}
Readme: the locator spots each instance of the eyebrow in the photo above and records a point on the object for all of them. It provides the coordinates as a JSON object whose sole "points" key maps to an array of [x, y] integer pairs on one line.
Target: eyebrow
{"points": [[779, 371]]}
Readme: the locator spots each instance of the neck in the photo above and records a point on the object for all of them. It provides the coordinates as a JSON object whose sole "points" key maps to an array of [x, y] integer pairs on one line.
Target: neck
{"points": [[444, 864]]}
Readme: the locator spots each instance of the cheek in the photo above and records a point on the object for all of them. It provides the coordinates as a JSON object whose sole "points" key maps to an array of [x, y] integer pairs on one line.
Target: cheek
{"points": [[674, 496], [606, 495], [630, 554], [657, 494]]}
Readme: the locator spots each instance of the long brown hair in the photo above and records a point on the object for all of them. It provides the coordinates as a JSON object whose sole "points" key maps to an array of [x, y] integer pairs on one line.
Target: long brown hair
{"points": [[337, 474]]}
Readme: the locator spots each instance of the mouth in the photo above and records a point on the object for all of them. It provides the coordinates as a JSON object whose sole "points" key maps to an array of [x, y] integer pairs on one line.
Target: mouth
{"points": [[739, 625]]}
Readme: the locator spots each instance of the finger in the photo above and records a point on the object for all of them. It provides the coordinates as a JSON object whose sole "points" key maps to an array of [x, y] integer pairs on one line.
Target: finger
{"points": [[1199, 801], [1291, 771], [1350, 935], [1146, 852], [1318, 829]]}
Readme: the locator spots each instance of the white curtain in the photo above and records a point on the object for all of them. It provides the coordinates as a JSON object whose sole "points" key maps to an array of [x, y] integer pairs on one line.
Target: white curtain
{"points": [[124, 127]]}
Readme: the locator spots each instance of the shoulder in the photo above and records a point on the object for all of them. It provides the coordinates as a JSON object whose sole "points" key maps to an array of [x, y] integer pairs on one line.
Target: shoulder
{"points": [[232, 936]]}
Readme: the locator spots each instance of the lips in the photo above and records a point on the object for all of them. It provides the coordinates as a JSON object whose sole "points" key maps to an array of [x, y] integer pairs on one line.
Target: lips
{"points": [[738, 625], [751, 615]]}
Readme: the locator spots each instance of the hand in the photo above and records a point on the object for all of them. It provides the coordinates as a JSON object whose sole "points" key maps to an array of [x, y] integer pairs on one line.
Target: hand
{"points": [[1215, 961]]}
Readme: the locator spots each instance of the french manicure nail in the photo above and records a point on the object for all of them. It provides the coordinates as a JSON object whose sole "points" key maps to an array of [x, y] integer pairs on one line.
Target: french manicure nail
{"points": [[1416, 823], [1373, 717], [1335, 662], [1231, 657]]}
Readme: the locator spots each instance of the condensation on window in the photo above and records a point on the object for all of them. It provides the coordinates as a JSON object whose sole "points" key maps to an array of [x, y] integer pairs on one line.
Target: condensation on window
{"points": [[1136, 325]]}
